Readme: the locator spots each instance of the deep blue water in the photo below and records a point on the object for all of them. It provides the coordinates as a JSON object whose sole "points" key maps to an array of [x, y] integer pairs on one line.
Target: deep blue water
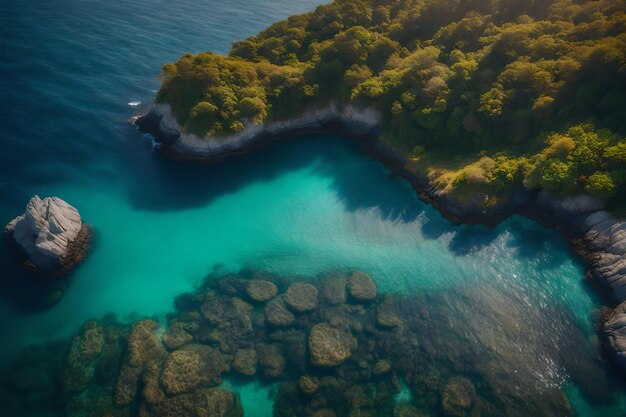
{"points": [[68, 71]]}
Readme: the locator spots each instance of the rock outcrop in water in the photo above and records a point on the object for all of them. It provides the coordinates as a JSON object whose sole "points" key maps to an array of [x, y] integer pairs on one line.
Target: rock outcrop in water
{"points": [[605, 242], [51, 233], [335, 358], [615, 329]]}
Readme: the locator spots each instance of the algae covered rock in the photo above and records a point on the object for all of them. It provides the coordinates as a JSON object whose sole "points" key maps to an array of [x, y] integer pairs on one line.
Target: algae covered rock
{"points": [[301, 297], [308, 384], [458, 396], [329, 346], [81, 360], [382, 367], [270, 359], [228, 322], [176, 336], [143, 343], [386, 315], [360, 399], [334, 290], [144, 347], [362, 287], [277, 314], [245, 362], [193, 366], [51, 233], [209, 402], [261, 290], [220, 403], [181, 372]]}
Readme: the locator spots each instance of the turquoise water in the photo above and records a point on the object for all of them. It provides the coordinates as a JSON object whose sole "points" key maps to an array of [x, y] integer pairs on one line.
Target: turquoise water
{"points": [[301, 207]]}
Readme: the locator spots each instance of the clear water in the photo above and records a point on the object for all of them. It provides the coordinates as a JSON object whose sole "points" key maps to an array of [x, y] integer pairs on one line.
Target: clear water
{"points": [[257, 399], [72, 74]]}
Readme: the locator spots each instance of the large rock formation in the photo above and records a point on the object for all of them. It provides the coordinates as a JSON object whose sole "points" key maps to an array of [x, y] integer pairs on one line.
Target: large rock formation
{"points": [[51, 233], [615, 328], [301, 297], [330, 346], [605, 241], [362, 287]]}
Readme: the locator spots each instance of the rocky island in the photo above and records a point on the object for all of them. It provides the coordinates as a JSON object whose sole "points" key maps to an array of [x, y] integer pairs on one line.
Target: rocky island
{"points": [[52, 235]]}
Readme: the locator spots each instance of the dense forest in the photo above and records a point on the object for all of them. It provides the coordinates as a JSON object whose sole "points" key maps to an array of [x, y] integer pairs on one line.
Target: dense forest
{"points": [[479, 94]]}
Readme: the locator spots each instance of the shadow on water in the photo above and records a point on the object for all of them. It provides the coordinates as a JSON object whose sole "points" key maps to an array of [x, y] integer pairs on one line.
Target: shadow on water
{"points": [[532, 241], [26, 291], [175, 184], [22, 289], [527, 238], [468, 240]]}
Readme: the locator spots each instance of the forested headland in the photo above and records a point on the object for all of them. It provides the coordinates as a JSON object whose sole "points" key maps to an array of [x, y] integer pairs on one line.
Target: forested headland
{"points": [[481, 95]]}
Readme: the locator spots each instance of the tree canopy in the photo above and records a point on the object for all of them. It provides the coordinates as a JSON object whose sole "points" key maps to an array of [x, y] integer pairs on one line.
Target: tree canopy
{"points": [[541, 82]]}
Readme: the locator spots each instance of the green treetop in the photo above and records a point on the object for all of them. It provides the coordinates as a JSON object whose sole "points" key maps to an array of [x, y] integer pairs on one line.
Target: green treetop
{"points": [[540, 85]]}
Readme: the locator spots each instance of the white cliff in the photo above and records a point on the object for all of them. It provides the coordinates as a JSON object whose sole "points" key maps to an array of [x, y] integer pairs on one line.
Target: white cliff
{"points": [[46, 230], [358, 122]]}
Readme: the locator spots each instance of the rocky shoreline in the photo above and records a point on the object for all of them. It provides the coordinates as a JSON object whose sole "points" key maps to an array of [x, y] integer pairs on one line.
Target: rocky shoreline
{"points": [[599, 238], [347, 121]]}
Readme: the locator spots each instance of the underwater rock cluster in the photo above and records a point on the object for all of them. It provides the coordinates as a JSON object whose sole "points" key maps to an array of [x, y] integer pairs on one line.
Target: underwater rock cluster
{"points": [[332, 346], [51, 233]]}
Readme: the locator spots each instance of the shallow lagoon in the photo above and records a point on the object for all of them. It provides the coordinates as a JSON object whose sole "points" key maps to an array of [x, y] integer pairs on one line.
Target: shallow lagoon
{"points": [[295, 208]]}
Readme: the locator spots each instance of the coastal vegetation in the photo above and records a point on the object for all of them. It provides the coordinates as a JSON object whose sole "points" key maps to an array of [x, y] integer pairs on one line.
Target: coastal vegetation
{"points": [[480, 95]]}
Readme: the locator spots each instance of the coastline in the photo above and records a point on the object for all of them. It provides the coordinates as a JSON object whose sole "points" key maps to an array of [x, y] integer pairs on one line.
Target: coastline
{"points": [[597, 237]]}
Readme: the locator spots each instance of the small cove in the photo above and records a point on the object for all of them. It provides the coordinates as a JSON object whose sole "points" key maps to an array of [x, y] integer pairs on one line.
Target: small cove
{"points": [[298, 207]]}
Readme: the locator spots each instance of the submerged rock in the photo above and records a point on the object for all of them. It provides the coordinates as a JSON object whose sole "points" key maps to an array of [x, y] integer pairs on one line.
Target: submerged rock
{"points": [[362, 287], [270, 360], [228, 322], [51, 233], [80, 364], [211, 402], [458, 397], [261, 290], [301, 297], [386, 315], [176, 336], [277, 314], [181, 372], [144, 347], [309, 384], [329, 346], [381, 367], [245, 362], [334, 290]]}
